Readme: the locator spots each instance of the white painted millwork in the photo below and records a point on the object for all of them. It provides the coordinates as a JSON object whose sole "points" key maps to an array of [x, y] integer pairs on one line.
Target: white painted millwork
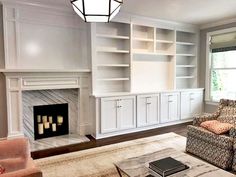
{"points": [[147, 110], [191, 103], [140, 67], [122, 52], [18, 82], [170, 104], [118, 113], [35, 38]]}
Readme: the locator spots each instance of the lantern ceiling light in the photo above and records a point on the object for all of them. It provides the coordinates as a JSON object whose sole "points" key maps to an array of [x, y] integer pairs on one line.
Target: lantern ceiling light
{"points": [[96, 10]]}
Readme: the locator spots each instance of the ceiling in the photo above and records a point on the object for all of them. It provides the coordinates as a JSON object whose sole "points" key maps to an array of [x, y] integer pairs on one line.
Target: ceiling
{"points": [[198, 12]]}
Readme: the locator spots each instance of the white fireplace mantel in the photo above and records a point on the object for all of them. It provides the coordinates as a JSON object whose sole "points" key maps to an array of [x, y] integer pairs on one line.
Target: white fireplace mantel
{"points": [[18, 81]]}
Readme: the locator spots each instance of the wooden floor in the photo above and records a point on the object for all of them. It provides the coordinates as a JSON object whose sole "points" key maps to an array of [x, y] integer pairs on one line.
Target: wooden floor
{"points": [[179, 129]]}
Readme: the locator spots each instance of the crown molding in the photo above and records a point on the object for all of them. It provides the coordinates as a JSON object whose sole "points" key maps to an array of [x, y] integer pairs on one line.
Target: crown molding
{"points": [[176, 24], [218, 23]]}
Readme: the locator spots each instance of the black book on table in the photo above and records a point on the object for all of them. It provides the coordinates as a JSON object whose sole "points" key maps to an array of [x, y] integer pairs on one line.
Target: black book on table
{"points": [[167, 166]]}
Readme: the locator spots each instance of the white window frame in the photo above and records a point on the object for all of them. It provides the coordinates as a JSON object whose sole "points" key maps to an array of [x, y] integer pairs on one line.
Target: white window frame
{"points": [[208, 63]]}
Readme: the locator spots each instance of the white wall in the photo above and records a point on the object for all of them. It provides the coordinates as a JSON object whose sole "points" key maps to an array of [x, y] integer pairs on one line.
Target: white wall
{"points": [[42, 38]]}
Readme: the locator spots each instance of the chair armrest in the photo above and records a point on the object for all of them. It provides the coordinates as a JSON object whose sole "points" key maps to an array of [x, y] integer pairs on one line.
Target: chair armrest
{"points": [[29, 172], [232, 132], [14, 148], [197, 120]]}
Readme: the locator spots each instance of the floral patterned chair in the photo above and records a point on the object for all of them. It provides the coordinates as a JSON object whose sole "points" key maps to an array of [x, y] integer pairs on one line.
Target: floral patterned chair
{"points": [[216, 149]]}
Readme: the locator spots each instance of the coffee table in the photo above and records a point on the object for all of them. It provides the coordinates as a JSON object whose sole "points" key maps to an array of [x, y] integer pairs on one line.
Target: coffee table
{"points": [[138, 166]]}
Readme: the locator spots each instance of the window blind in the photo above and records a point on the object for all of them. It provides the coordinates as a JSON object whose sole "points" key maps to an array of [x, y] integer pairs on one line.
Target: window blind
{"points": [[223, 42]]}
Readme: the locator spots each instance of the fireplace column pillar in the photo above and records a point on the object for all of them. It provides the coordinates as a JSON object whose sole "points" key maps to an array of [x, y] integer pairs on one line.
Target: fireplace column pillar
{"points": [[14, 110]]}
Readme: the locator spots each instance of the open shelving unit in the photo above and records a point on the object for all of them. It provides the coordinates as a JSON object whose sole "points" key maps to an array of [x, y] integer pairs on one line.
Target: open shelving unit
{"points": [[165, 41], [152, 56], [186, 60], [153, 41], [135, 57], [111, 62], [142, 39]]}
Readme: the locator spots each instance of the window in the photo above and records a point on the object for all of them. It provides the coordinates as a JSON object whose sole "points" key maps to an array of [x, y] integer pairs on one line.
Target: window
{"points": [[222, 65], [223, 75]]}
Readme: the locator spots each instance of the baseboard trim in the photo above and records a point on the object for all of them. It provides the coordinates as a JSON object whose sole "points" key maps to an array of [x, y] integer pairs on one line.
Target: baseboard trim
{"points": [[15, 136], [140, 129]]}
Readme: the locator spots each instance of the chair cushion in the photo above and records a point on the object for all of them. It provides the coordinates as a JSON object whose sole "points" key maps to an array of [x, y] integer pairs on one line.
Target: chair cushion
{"points": [[216, 126], [221, 141], [2, 169]]}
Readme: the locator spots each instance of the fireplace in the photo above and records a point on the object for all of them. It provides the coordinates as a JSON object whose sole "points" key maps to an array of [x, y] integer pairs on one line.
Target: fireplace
{"points": [[50, 120]]}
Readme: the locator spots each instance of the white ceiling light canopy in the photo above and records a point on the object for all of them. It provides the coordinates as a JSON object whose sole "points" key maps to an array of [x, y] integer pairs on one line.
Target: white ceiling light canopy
{"points": [[96, 10]]}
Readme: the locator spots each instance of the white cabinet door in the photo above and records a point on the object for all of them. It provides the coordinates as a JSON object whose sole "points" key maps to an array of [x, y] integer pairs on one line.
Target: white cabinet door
{"points": [[170, 107], [191, 104], [147, 110], [127, 106], [185, 105], [118, 113], [196, 103], [109, 115]]}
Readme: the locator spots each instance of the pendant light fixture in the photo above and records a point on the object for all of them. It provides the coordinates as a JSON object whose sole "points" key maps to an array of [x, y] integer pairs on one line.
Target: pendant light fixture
{"points": [[96, 10]]}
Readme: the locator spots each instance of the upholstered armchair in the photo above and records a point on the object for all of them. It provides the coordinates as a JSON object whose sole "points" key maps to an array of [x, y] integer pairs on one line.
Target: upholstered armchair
{"points": [[216, 149], [15, 158]]}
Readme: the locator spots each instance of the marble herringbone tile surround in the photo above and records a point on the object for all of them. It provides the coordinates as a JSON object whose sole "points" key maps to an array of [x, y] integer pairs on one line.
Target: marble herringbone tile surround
{"points": [[49, 97]]}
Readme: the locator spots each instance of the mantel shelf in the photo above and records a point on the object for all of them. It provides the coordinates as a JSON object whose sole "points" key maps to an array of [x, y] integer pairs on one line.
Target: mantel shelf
{"points": [[45, 70]]}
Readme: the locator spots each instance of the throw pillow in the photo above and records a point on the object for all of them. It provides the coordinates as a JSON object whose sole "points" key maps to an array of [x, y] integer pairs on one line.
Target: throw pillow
{"points": [[216, 126], [2, 169], [208, 123]]}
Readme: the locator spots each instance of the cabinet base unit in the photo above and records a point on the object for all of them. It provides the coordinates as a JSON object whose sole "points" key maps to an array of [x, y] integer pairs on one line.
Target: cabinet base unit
{"points": [[147, 110], [170, 104], [123, 113], [191, 103]]}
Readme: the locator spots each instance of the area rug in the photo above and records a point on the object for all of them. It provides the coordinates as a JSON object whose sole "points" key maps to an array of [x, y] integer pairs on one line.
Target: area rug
{"points": [[99, 162]]}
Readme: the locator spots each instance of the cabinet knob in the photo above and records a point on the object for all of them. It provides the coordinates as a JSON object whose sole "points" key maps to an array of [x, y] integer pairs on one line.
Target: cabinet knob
{"points": [[149, 103]]}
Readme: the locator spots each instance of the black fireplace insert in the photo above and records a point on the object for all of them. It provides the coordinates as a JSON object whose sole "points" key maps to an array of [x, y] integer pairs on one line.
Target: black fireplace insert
{"points": [[50, 120]]}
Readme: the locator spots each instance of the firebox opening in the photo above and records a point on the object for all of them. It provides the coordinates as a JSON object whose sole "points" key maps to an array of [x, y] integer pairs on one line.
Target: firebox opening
{"points": [[50, 121]]}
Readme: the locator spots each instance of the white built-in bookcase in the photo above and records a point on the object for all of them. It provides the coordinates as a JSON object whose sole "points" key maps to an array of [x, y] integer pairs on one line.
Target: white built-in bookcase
{"points": [[133, 57], [111, 61], [186, 60]]}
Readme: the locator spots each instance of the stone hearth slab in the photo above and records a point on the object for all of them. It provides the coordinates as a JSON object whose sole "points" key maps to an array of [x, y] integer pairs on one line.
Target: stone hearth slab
{"points": [[59, 141]]}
